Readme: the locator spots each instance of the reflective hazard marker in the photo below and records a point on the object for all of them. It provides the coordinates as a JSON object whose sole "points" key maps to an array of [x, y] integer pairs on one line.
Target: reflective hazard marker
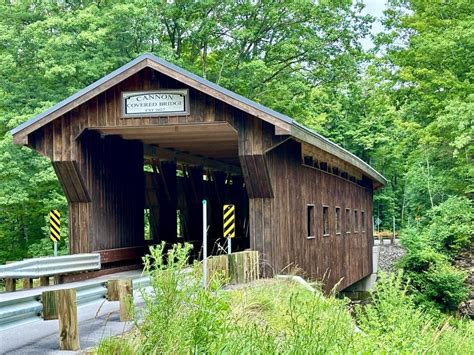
{"points": [[229, 225], [55, 225], [229, 221]]}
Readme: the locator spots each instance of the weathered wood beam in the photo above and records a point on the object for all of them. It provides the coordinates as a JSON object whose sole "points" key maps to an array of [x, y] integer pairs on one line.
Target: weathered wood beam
{"points": [[72, 181], [152, 152], [67, 315], [256, 176]]}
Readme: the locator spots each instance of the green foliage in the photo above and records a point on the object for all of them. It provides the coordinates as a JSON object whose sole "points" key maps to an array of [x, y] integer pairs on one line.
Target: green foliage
{"points": [[451, 225], [444, 285], [191, 315], [446, 230], [395, 324]]}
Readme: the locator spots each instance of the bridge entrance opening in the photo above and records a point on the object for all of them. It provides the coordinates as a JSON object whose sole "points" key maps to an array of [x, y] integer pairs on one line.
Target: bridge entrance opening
{"points": [[184, 164]]}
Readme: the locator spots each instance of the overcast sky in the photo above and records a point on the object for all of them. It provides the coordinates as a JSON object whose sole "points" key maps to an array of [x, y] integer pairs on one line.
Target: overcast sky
{"points": [[374, 8]]}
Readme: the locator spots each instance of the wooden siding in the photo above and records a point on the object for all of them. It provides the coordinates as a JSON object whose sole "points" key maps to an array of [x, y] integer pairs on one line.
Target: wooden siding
{"points": [[342, 259]]}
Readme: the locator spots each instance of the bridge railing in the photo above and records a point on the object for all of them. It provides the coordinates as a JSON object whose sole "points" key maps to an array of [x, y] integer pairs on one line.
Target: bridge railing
{"points": [[20, 310], [50, 266]]}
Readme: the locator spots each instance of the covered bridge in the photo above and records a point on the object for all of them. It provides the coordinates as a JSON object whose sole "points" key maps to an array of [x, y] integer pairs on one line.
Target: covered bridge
{"points": [[138, 150]]}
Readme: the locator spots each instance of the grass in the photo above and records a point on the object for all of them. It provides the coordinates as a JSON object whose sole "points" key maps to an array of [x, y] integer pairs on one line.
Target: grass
{"points": [[278, 316]]}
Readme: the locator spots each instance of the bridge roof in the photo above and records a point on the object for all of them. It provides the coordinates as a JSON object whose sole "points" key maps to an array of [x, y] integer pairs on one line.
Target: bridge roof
{"points": [[285, 124]]}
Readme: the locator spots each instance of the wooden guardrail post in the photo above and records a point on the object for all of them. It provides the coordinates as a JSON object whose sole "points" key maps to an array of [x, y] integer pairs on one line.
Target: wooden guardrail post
{"points": [[44, 281], [218, 266], [50, 304], [125, 289], [112, 290], [122, 291], [62, 305], [67, 315], [10, 284], [27, 283]]}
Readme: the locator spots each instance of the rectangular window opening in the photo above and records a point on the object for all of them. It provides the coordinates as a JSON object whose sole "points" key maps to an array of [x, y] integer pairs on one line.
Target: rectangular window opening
{"points": [[362, 217], [147, 230], [356, 221], [338, 220], [179, 224], [348, 220], [325, 221], [310, 221]]}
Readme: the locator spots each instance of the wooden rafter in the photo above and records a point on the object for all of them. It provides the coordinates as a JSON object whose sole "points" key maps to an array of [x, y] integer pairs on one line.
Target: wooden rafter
{"points": [[152, 152]]}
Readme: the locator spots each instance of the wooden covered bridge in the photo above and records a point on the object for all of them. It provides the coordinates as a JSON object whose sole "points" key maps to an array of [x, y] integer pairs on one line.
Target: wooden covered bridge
{"points": [[137, 151]]}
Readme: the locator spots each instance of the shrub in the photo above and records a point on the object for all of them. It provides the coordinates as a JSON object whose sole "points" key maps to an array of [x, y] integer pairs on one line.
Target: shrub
{"points": [[394, 324], [450, 225], [445, 285], [430, 248], [433, 279]]}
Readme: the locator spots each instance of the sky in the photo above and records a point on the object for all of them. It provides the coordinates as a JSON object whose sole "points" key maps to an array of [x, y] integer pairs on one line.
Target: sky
{"points": [[374, 8]]}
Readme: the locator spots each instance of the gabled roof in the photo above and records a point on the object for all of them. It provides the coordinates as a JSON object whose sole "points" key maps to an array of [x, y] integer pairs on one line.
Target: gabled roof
{"points": [[286, 124]]}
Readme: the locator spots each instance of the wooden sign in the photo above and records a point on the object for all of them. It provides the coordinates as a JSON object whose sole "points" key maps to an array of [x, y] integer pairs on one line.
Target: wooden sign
{"points": [[155, 103]]}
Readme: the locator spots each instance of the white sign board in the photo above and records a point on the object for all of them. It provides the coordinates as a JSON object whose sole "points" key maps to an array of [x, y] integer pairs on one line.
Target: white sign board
{"points": [[155, 103]]}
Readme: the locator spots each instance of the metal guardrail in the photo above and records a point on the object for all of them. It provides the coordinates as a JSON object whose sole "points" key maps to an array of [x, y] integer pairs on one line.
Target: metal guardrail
{"points": [[17, 311], [49, 266]]}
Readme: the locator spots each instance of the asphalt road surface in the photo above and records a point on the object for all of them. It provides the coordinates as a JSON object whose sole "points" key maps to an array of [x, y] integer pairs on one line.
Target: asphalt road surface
{"points": [[97, 320]]}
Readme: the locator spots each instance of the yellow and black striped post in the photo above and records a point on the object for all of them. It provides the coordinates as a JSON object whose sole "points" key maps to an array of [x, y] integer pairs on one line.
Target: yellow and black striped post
{"points": [[55, 228], [229, 224]]}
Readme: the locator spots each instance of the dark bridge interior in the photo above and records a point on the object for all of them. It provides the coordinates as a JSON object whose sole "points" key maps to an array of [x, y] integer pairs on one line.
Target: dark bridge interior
{"points": [[183, 165]]}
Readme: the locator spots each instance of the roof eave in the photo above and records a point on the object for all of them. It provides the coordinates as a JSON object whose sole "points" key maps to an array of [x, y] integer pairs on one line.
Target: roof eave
{"points": [[307, 135], [79, 94]]}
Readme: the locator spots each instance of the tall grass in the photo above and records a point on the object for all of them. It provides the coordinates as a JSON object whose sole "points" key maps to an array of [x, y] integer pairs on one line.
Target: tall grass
{"points": [[275, 316]]}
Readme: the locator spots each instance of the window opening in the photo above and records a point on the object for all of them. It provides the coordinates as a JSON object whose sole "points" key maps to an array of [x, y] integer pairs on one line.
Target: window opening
{"points": [[325, 221], [356, 221], [338, 220], [310, 221], [147, 230], [348, 220], [362, 217], [179, 224]]}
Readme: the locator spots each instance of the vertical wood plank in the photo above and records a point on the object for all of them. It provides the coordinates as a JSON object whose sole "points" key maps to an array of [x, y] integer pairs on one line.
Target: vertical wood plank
{"points": [[49, 299], [67, 315]]}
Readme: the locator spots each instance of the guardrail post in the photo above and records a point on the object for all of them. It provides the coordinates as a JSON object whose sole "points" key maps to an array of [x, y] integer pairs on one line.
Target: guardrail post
{"points": [[122, 291], [125, 290], [10, 284], [112, 290], [49, 299], [44, 281], [67, 315], [27, 283], [58, 279]]}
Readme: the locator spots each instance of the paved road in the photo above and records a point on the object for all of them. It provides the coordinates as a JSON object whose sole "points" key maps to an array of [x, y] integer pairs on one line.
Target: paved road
{"points": [[97, 320]]}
